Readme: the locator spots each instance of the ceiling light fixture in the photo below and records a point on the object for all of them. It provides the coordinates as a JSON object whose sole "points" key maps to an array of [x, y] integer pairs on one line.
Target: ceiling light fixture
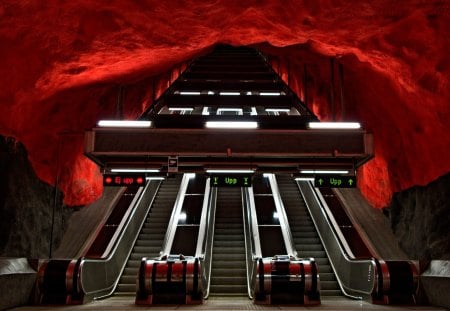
{"points": [[124, 123], [334, 125]]}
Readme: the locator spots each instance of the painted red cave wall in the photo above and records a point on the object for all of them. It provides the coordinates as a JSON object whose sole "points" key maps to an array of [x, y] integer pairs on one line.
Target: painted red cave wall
{"points": [[61, 66]]}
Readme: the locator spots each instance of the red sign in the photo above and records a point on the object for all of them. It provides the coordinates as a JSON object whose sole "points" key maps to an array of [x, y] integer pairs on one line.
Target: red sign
{"points": [[124, 180]]}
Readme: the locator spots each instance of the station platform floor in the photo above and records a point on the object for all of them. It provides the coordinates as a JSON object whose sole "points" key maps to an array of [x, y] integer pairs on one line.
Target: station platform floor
{"points": [[225, 303]]}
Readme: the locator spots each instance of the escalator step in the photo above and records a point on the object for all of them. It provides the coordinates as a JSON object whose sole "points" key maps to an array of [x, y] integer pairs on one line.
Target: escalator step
{"points": [[329, 285], [219, 272], [237, 256], [229, 289], [230, 280], [125, 288], [330, 293]]}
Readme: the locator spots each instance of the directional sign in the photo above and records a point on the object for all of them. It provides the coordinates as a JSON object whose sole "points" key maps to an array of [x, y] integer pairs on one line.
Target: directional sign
{"points": [[172, 165], [335, 181], [123, 180], [225, 180]]}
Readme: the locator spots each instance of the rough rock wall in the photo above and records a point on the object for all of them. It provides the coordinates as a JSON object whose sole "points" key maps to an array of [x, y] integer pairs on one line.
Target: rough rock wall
{"points": [[420, 218], [58, 59], [26, 206]]}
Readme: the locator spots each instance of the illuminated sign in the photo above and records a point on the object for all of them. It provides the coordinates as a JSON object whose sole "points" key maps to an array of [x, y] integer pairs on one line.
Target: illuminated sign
{"points": [[335, 181], [123, 180], [233, 180]]}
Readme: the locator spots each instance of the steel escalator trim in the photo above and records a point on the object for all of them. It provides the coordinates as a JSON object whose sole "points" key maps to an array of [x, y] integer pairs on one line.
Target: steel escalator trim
{"points": [[228, 272], [307, 241], [99, 247], [175, 275], [150, 240], [283, 277]]}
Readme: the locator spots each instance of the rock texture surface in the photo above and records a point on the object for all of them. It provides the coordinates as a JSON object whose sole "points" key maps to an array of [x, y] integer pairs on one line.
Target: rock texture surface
{"points": [[26, 206], [62, 63], [420, 220]]}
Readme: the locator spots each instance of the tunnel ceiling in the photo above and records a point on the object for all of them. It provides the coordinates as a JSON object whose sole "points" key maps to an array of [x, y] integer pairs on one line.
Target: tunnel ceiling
{"points": [[61, 66]]}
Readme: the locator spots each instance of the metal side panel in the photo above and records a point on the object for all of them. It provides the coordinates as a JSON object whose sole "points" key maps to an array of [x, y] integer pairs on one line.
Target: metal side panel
{"points": [[98, 277], [356, 277], [115, 146]]}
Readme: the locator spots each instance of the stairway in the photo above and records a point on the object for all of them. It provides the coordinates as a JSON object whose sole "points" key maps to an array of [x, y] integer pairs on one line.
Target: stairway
{"points": [[228, 273], [152, 234], [306, 239]]}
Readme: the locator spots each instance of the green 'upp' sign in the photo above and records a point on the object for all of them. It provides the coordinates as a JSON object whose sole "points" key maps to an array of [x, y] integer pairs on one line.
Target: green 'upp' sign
{"points": [[226, 180], [335, 181]]}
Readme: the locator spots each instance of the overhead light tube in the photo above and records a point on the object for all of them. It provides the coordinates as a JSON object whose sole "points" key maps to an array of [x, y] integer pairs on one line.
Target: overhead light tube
{"points": [[269, 93], [230, 93], [124, 123], [334, 125], [189, 93], [230, 171]]}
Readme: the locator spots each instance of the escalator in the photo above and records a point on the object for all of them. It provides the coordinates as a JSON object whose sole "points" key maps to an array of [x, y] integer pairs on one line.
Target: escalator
{"points": [[228, 275], [151, 237], [306, 239]]}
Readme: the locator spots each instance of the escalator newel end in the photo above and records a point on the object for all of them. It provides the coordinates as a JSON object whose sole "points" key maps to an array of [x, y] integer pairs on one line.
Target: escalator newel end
{"points": [[173, 280], [286, 280]]}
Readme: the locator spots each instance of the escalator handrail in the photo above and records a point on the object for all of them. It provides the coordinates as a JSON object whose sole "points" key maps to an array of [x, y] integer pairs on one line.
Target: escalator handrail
{"points": [[349, 272], [206, 235], [282, 217], [251, 234], [98, 277], [174, 217]]}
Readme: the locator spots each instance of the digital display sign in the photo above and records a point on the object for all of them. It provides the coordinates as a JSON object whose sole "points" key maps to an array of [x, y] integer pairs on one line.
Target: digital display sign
{"points": [[335, 181], [123, 180], [225, 180]]}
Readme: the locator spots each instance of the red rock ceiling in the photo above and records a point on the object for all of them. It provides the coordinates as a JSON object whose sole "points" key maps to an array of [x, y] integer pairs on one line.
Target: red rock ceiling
{"points": [[60, 67]]}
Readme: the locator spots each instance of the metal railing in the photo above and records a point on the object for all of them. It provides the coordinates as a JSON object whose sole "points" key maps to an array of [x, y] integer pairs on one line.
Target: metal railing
{"points": [[252, 242], [98, 278], [206, 236], [282, 217], [174, 217], [355, 277]]}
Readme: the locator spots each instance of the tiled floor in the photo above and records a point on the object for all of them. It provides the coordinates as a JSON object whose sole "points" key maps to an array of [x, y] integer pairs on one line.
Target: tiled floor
{"points": [[226, 303]]}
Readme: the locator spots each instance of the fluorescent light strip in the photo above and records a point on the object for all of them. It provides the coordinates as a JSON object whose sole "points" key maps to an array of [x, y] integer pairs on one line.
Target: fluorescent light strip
{"points": [[210, 93], [231, 125], [270, 94], [182, 216], [254, 112], [230, 93], [230, 171], [248, 93], [324, 171], [154, 178], [123, 123], [304, 179], [181, 109], [205, 111], [334, 125], [190, 93], [134, 170], [277, 110], [238, 110]]}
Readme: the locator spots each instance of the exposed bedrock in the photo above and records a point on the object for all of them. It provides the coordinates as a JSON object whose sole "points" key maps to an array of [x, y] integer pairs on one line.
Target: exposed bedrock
{"points": [[420, 218], [26, 206]]}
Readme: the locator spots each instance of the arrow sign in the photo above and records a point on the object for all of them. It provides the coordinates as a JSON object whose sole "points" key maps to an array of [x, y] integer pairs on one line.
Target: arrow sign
{"points": [[335, 181]]}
